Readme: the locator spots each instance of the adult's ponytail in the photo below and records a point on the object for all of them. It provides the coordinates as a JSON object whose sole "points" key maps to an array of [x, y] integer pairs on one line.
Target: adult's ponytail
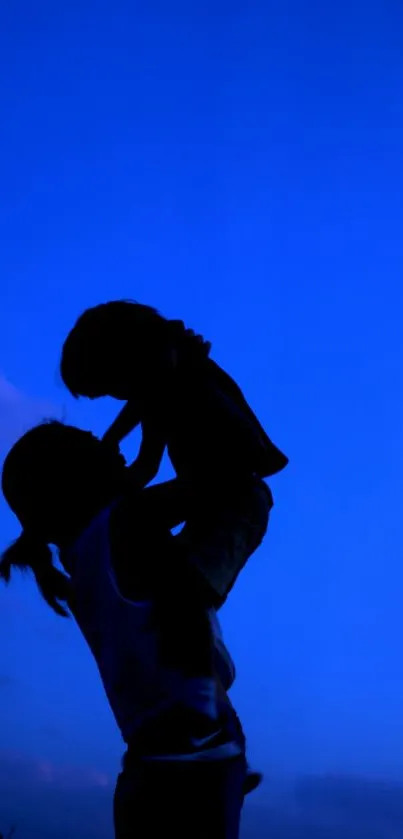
{"points": [[30, 553]]}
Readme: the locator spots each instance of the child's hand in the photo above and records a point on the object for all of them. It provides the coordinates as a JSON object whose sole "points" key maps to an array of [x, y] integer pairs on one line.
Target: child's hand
{"points": [[199, 340], [191, 337]]}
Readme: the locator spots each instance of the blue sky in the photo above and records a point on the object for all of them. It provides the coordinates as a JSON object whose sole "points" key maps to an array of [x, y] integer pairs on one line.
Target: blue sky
{"points": [[238, 165]]}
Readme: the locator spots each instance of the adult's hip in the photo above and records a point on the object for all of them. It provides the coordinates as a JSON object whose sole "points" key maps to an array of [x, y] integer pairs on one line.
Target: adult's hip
{"points": [[198, 799]]}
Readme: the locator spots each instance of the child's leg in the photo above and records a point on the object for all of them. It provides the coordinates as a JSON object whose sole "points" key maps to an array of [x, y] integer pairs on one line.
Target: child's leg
{"points": [[222, 536]]}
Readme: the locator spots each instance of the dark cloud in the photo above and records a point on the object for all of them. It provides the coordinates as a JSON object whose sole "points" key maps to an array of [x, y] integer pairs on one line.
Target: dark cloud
{"points": [[340, 807], [368, 803]]}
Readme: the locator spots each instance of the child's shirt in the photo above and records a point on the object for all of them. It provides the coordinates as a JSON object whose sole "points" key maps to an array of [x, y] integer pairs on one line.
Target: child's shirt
{"points": [[214, 428], [201, 415]]}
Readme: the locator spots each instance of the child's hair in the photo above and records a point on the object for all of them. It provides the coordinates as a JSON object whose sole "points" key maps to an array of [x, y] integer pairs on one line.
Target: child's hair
{"points": [[123, 330], [98, 332]]}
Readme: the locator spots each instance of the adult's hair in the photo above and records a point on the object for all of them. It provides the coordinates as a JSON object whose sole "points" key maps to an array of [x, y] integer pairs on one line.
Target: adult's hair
{"points": [[30, 553], [54, 479]]}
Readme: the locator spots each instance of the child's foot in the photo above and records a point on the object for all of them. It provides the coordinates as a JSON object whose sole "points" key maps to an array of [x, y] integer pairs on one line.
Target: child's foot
{"points": [[252, 780]]}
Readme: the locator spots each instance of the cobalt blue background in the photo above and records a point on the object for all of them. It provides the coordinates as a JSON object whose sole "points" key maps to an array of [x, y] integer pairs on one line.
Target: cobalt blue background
{"points": [[238, 165]]}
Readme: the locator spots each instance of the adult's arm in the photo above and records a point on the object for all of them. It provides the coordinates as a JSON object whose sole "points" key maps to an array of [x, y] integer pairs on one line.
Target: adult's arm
{"points": [[150, 562]]}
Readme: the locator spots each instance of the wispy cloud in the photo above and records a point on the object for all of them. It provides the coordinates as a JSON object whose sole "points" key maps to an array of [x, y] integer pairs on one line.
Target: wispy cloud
{"points": [[17, 768], [19, 412], [69, 777]]}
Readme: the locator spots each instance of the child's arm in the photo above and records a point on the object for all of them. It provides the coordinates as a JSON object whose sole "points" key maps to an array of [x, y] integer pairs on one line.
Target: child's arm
{"points": [[126, 421], [146, 466]]}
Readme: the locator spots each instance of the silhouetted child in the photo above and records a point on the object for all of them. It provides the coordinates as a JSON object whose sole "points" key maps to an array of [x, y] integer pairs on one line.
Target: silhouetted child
{"points": [[186, 403]]}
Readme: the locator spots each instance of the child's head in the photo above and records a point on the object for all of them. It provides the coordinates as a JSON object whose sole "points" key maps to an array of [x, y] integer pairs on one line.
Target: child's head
{"points": [[55, 479], [109, 346]]}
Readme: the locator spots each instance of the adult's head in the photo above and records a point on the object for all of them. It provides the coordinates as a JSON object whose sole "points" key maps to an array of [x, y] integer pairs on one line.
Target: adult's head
{"points": [[55, 479]]}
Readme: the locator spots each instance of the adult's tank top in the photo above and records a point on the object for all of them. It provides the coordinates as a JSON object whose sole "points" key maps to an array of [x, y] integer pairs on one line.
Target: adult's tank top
{"points": [[124, 639]]}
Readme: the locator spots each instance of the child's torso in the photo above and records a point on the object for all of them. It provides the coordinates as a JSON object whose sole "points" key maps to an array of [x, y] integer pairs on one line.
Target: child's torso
{"points": [[210, 428]]}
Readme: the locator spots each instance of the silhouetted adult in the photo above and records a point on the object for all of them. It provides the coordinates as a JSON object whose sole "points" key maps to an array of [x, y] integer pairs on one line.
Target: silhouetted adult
{"points": [[123, 582]]}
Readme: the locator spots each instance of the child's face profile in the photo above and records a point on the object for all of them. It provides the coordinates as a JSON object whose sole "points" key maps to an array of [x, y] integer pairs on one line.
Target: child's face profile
{"points": [[109, 375], [120, 366], [114, 387], [118, 380], [118, 391]]}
